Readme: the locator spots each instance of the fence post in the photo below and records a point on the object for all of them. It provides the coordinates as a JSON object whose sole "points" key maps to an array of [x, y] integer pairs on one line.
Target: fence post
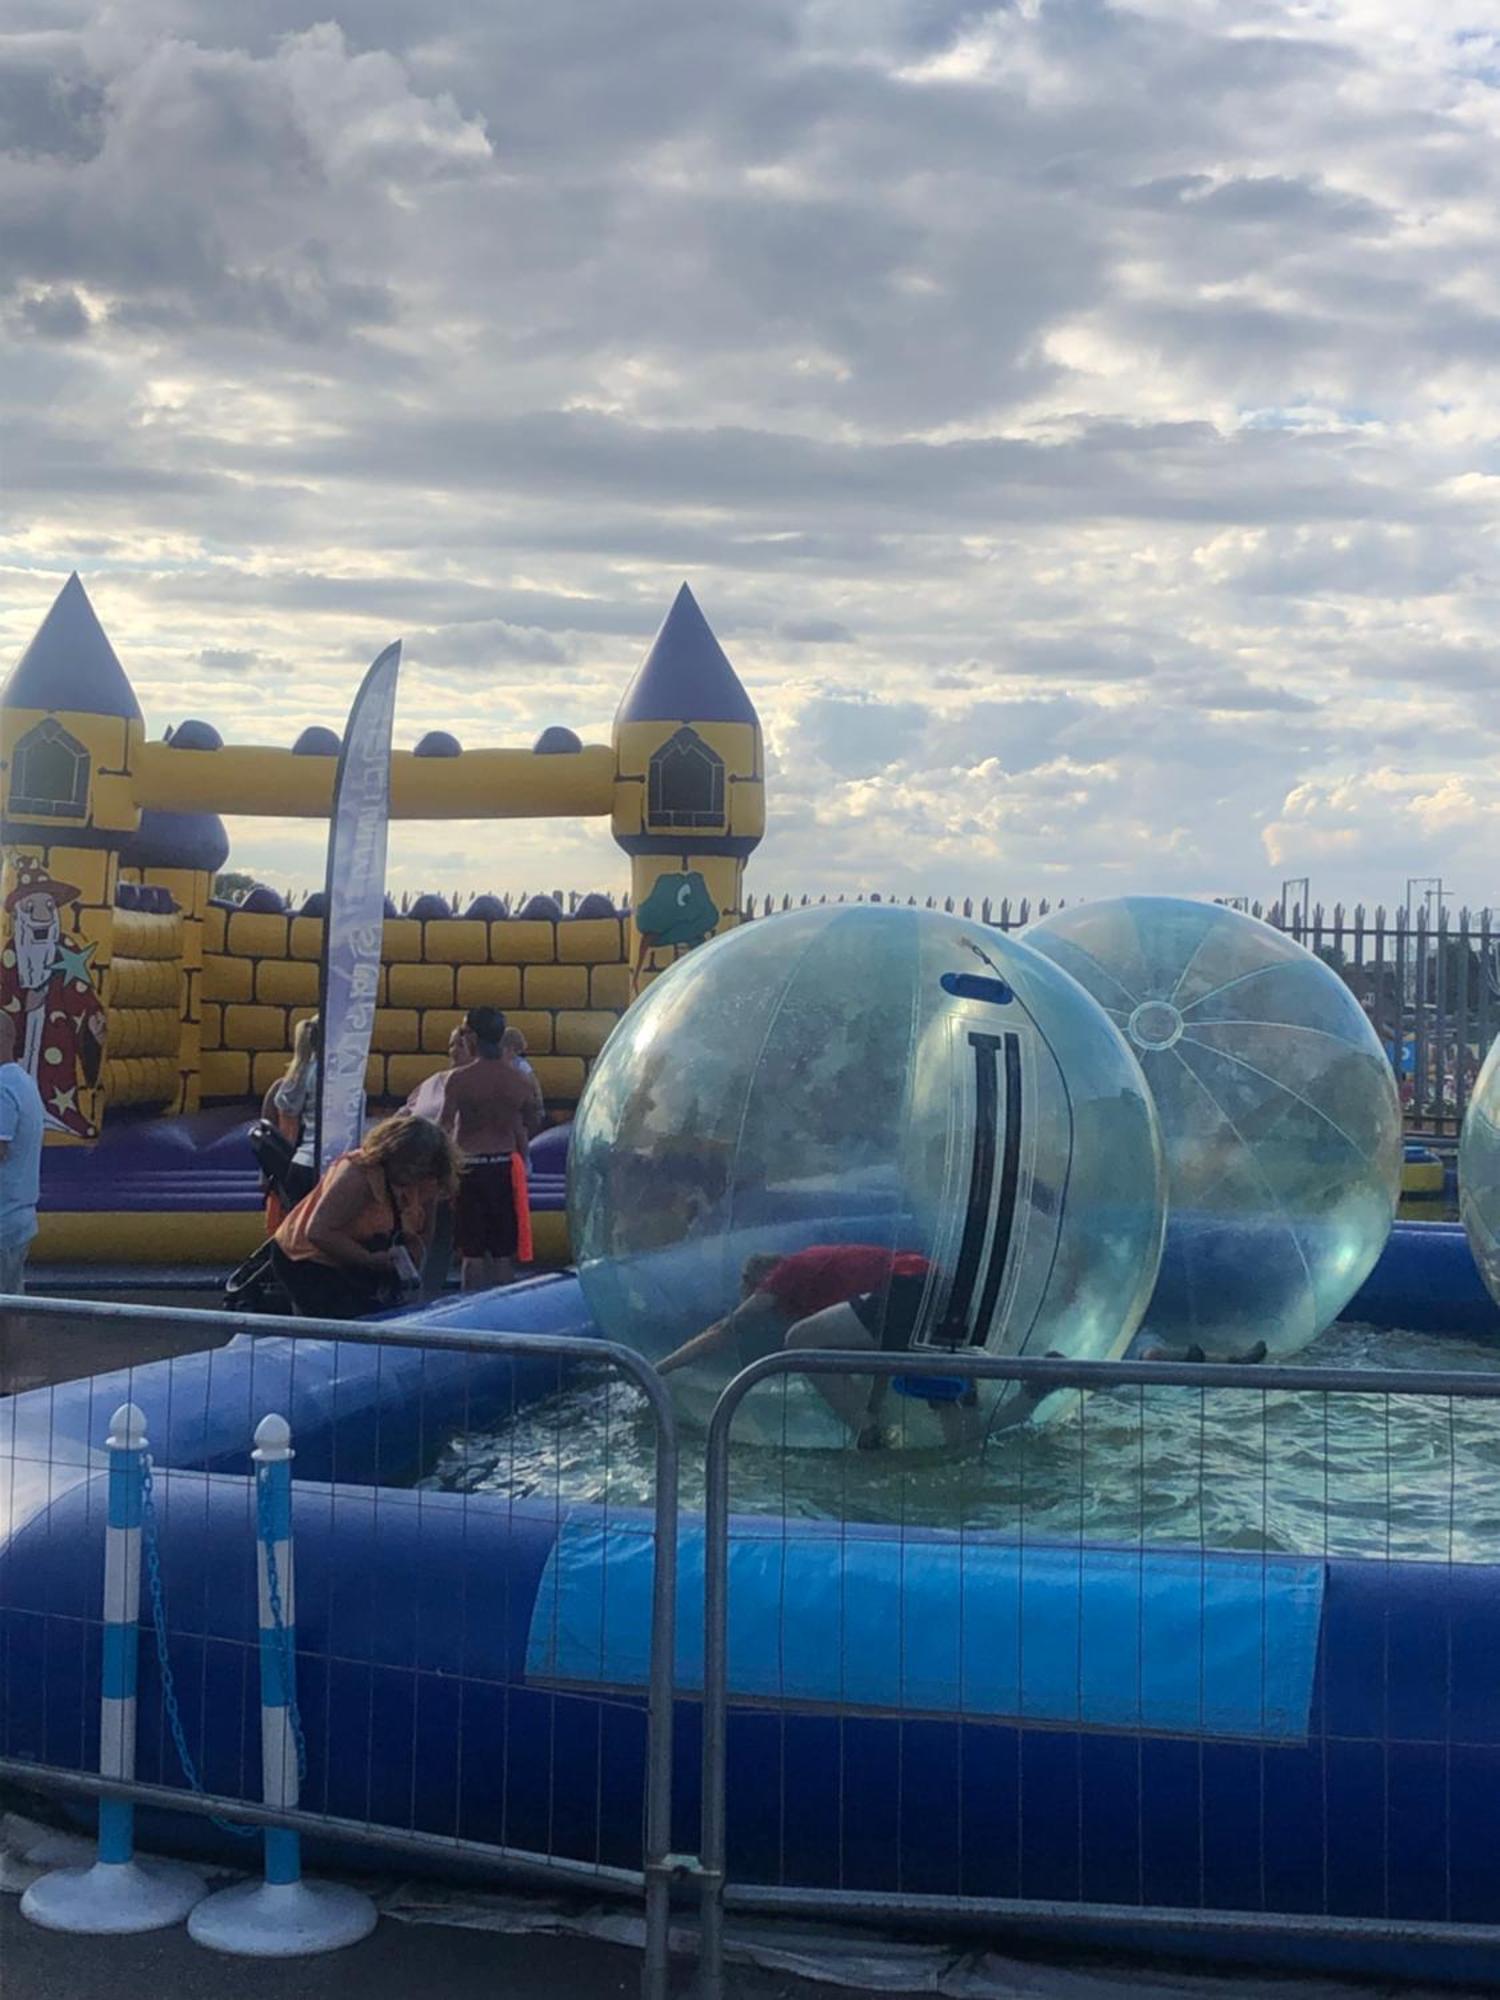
{"points": [[118, 1894], [283, 1916]]}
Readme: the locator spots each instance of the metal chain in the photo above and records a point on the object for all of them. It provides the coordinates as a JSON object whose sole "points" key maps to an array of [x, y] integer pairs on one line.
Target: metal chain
{"points": [[283, 1636], [151, 1548]]}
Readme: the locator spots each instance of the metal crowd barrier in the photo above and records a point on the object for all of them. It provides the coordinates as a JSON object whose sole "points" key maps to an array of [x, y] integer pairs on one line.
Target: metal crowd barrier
{"points": [[284, 1365], [1380, 1388], [289, 1358]]}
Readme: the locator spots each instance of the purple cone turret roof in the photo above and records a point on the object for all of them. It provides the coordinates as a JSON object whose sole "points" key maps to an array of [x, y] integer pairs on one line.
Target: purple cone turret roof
{"points": [[70, 664], [686, 676]]}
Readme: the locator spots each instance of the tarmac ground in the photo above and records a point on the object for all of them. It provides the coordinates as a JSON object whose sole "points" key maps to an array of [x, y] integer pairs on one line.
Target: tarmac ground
{"points": [[397, 1962]]}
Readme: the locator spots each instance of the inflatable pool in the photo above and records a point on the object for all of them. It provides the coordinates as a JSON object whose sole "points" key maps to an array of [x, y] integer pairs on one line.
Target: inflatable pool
{"points": [[911, 1710]]}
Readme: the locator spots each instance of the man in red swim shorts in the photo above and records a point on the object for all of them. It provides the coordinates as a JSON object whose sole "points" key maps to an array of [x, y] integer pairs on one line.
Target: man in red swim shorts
{"points": [[485, 1107]]}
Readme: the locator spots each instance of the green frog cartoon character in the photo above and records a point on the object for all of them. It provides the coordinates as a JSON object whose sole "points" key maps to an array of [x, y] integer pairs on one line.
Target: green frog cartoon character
{"points": [[678, 913]]}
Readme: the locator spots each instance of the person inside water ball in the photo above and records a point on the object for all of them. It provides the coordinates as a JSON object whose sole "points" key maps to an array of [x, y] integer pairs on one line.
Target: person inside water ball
{"points": [[843, 1295]]}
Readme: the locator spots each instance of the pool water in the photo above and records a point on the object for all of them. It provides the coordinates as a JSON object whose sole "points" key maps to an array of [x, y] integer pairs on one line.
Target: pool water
{"points": [[1361, 1475]]}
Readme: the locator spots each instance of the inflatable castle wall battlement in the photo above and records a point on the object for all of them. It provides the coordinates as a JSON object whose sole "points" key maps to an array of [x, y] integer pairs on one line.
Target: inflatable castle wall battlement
{"points": [[131, 987]]}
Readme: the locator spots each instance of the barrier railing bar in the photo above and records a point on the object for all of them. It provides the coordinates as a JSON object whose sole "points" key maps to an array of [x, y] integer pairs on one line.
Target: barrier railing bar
{"points": [[1475, 1385], [751, 1900], [1059, 1373], [357, 1332], [1056, 1373], [659, 1865], [322, 1826]]}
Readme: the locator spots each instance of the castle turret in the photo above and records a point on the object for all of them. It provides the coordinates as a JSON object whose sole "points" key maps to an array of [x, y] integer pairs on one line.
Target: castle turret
{"points": [[70, 730], [689, 797]]}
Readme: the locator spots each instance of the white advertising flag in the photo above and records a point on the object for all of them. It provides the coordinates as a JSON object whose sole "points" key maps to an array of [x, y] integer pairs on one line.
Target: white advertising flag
{"points": [[354, 908]]}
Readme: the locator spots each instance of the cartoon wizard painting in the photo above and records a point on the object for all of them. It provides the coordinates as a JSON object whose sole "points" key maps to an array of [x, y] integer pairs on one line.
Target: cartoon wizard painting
{"points": [[47, 986]]}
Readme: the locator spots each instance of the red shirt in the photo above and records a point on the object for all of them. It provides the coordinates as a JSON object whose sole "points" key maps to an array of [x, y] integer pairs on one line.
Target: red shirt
{"points": [[829, 1274]]}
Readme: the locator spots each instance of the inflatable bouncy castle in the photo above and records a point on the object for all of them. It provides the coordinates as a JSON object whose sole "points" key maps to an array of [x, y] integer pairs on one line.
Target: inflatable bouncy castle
{"points": [[154, 1015]]}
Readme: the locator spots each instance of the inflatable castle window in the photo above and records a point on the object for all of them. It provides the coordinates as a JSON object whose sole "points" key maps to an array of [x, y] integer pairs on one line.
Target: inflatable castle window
{"points": [[687, 783], [50, 774]]}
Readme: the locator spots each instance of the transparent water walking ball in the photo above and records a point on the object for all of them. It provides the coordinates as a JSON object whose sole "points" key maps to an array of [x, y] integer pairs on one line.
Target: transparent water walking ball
{"points": [[879, 1077], [1278, 1114], [1479, 1172]]}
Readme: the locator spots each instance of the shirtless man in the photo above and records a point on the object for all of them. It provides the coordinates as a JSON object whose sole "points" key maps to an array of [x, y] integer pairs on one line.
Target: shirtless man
{"points": [[484, 1108]]}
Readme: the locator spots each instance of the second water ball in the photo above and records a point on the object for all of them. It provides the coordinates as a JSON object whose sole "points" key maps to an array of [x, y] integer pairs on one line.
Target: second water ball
{"points": [[1278, 1113]]}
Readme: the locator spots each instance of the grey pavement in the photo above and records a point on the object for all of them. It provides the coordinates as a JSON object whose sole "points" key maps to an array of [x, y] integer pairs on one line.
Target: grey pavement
{"points": [[399, 1962]]}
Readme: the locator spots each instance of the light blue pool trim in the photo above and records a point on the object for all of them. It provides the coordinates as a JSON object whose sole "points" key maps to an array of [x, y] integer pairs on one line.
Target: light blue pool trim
{"points": [[1160, 1641]]}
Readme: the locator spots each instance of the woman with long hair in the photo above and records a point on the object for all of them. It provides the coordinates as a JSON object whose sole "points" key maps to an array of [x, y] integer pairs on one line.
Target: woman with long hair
{"points": [[291, 1105], [359, 1240]]}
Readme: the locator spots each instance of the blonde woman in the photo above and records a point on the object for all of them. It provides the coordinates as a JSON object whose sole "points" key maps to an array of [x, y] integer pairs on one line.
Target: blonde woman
{"points": [[291, 1105], [356, 1245]]}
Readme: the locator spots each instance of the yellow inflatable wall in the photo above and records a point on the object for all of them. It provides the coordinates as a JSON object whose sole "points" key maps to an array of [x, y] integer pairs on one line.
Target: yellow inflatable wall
{"points": [[132, 987]]}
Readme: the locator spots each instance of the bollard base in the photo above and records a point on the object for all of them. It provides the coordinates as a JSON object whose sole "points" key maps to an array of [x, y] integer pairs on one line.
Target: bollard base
{"points": [[114, 1898], [282, 1919]]}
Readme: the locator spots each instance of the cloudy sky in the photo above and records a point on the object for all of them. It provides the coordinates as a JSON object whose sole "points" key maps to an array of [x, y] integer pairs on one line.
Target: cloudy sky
{"points": [[1078, 421]]}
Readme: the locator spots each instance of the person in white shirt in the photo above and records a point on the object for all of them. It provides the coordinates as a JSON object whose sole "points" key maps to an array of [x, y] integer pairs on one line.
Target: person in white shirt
{"points": [[291, 1104], [426, 1101], [21, 1123], [513, 1048]]}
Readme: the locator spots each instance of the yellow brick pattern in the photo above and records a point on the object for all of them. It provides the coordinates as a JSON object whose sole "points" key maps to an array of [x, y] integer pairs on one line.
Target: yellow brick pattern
{"points": [[555, 986], [226, 978], [523, 943], [456, 941], [404, 1073], [563, 985], [536, 1027], [141, 1079], [286, 982], [559, 1076], [225, 1073], [266, 1068], [594, 941], [255, 1028], [402, 942], [488, 986], [582, 1034], [145, 1031], [438, 1024], [609, 988], [421, 985], [397, 1031], [252, 936], [144, 982]]}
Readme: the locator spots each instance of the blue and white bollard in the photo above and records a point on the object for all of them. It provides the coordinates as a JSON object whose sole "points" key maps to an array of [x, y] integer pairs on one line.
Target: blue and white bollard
{"points": [[118, 1894], [282, 1916]]}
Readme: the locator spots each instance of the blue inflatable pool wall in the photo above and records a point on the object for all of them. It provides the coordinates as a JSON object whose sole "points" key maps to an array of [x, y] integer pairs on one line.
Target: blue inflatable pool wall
{"points": [[910, 1711]]}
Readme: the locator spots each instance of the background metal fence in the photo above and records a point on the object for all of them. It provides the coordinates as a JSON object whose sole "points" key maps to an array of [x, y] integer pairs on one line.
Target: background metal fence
{"points": [[1430, 983], [1196, 1662], [423, 1550]]}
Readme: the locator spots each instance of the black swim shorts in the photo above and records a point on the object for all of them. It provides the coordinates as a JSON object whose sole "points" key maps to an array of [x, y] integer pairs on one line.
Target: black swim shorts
{"points": [[890, 1315]]}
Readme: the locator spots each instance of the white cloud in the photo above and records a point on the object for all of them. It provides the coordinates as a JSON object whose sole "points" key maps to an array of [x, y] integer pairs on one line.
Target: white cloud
{"points": [[1077, 420]]}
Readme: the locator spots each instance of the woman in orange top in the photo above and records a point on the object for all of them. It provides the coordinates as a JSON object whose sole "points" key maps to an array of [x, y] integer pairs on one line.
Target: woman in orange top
{"points": [[339, 1252]]}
